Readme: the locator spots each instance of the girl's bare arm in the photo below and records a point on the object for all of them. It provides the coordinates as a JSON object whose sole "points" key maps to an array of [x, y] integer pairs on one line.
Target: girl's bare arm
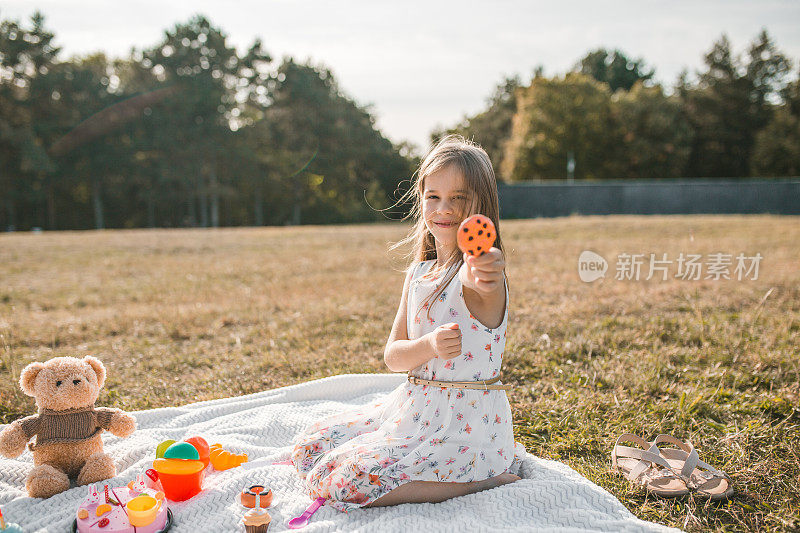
{"points": [[401, 354], [484, 285]]}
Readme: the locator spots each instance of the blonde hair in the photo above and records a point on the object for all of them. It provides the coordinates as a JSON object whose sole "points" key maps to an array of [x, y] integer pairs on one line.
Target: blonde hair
{"points": [[479, 180]]}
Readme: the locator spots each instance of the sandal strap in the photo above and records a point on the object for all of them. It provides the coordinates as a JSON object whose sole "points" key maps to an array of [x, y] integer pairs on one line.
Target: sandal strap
{"points": [[691, 462], [646, 457], [623, 451], [688, 467], [627, 451], [685, 447]]}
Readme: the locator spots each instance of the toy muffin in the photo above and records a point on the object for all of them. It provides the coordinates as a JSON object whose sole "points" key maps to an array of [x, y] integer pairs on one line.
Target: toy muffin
{"points": [[256, 520]]}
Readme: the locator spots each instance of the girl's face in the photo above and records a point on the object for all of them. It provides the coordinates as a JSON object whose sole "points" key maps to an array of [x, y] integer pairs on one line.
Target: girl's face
{"points": [[444, 203]]}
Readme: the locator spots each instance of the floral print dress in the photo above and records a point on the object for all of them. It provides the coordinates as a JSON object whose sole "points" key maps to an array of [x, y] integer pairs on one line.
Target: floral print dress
{"points": [[416, 432]]}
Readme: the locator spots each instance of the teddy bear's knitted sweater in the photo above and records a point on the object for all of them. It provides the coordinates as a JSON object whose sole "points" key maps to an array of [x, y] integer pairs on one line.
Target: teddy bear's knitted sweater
{"points": [[69, 425]]}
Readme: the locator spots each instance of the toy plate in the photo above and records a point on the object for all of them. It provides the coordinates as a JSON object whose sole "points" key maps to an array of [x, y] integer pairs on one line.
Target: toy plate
{"points": [[166, 526]]}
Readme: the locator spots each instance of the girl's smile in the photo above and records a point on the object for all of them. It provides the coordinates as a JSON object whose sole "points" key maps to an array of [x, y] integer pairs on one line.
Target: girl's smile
{"points": [[445, 224]]}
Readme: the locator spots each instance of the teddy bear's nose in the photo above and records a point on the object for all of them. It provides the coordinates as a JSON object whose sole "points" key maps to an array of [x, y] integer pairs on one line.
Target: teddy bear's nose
{"points": [[75, 381]]}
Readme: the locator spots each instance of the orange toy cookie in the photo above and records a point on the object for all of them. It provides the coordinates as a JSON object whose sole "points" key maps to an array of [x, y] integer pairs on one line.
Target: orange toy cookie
{"points": [[476, 235]]}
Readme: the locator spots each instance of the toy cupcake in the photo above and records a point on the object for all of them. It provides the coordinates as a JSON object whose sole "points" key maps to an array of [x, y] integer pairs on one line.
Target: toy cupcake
{"points": [[256, 520]]}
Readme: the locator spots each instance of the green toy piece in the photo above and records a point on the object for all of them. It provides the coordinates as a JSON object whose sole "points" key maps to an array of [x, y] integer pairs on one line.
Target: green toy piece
{"points": [[182, 450]]}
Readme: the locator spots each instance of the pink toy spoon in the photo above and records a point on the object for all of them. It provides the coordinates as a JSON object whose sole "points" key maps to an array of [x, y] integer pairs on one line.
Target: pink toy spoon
{"points": [[302, 520]]}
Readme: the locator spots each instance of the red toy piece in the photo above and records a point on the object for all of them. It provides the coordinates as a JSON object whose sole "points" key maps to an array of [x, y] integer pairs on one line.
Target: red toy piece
{"points": [[476, 235], [202, 448]]}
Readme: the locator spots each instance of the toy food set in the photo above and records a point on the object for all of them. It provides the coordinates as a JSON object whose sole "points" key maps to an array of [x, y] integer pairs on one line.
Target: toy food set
{"points": [[131, 509], [67, 430], [476, 235], [179, 469], [68, 425]]}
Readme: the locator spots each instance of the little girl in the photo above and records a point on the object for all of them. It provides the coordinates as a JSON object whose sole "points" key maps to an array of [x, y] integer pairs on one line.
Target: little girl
{"points": [[431, 439]]}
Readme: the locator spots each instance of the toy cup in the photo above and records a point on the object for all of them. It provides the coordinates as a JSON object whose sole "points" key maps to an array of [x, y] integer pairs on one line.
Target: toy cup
{"points": [[142, 510], [180, 479]]}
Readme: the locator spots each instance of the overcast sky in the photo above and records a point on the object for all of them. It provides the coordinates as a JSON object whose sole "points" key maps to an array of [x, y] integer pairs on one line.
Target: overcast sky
{"points": [[423, 64]]}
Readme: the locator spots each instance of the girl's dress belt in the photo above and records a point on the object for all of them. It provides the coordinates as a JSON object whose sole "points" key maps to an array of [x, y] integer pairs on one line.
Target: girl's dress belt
{"points": [[487, 384]]}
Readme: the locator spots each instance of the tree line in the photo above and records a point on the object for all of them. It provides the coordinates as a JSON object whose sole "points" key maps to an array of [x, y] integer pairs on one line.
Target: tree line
{"points": [[192, 132], [188, 132], [738, 117]]}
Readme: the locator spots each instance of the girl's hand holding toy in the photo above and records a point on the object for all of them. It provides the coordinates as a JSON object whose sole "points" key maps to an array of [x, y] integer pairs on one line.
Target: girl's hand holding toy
{"points": [[484, 274], [483, 263]]}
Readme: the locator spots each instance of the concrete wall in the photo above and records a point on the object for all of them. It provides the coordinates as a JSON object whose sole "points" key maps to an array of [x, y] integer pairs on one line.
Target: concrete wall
{"points": [[653, 197]]}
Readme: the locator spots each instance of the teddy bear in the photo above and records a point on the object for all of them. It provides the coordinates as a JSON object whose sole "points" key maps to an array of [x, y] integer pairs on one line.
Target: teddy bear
{"points": [[67, 427]]}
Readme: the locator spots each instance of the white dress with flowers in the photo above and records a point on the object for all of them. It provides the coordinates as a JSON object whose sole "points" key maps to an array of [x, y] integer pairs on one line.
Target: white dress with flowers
{"points": [[417, 432]]}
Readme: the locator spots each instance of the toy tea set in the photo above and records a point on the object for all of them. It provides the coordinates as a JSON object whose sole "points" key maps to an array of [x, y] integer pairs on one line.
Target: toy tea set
{"points": [[177, 475], [68, 445]]}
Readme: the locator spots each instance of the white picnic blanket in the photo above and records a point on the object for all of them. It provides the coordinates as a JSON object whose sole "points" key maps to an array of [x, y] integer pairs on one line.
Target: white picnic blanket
{"points": [[550, 497]]}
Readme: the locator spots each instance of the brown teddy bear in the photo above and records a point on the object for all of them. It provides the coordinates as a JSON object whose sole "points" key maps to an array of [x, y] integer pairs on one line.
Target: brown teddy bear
{"points": [[68, 426]]}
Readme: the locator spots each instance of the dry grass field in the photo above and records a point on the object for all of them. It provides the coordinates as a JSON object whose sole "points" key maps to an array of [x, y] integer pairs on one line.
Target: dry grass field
{"points": [[186, 315]]}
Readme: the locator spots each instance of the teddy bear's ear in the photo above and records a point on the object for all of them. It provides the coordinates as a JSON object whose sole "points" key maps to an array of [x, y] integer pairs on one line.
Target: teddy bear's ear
{"points": [[27, 380], [98, 368]]}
